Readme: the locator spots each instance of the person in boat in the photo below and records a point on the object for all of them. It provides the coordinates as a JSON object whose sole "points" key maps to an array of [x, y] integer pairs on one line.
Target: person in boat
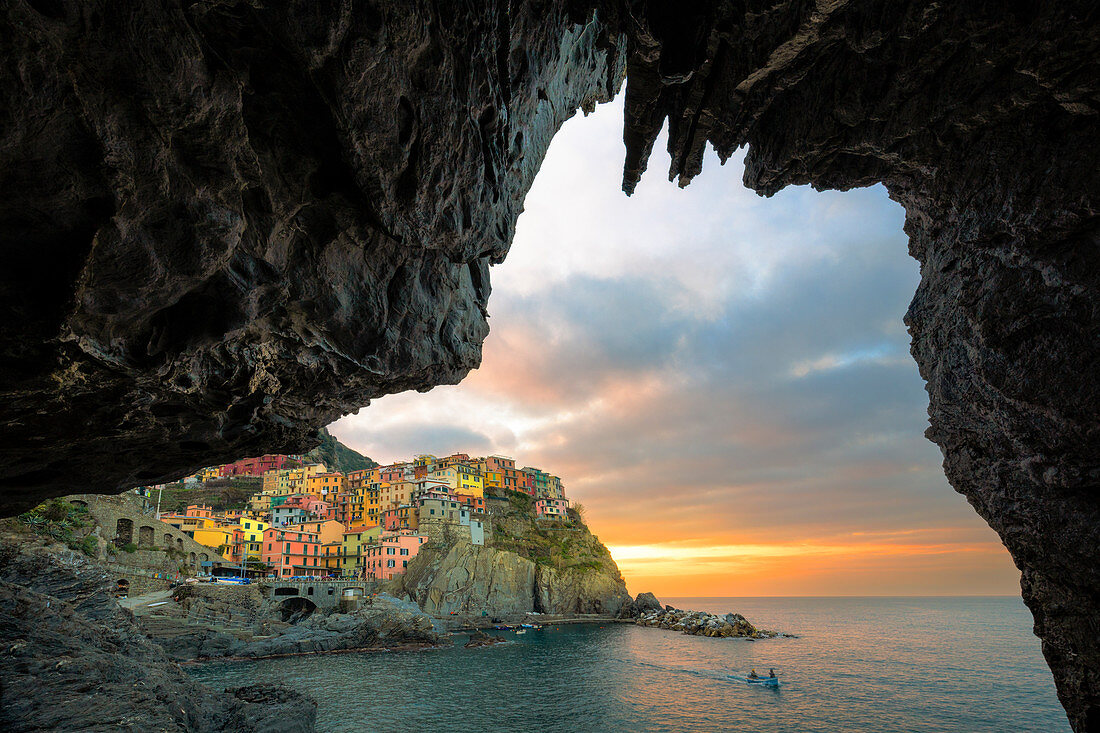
{"points": [[753, 675], [771, 673]]}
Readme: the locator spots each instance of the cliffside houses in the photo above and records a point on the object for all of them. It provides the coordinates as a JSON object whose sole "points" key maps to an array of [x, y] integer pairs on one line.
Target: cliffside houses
{"points": [[309, 521]]}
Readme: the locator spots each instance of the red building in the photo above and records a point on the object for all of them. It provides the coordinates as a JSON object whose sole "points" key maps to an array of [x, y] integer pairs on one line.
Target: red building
{"points": [[290, 551], [254, 466]]}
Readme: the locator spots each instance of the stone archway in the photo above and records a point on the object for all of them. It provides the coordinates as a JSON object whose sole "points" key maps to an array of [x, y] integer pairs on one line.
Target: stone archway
{"points": [[124, 532], [167, 540], [294, 610], [145, 536]]}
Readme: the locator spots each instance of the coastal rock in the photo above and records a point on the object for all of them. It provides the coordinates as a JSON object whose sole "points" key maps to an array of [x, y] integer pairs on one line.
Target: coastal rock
{"points": [[74, 660], [471, 580], [700, 623], [226, 224], [479, 638], [213, 622], [644, 603]]}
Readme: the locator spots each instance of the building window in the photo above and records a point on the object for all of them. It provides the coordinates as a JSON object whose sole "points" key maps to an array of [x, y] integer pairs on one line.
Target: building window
{"points": [[390, 563]]}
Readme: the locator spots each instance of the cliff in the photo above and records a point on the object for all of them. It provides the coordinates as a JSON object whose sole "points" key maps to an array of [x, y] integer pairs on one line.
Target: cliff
{"points": [[548, 567], [338, 457]]}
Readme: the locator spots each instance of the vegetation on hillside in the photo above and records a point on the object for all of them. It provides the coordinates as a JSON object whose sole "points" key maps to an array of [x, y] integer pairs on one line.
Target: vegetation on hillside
{"points": [[64, 522], [220, 494], [338, 457], [565, 544]]}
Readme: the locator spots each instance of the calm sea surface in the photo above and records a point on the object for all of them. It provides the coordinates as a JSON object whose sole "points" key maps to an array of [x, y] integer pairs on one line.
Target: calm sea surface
{"points": [[860, 664]]}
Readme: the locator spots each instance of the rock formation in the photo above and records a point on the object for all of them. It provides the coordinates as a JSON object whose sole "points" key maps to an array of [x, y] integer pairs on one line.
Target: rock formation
{"points": [[470, 579], [74, 661], [701, 623], [227, 223], [206, 622]]}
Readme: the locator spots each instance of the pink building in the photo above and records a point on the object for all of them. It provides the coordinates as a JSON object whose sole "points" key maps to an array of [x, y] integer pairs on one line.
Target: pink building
{"points": [[391, 555], [292, 551], [393, 473], [254, 466], [551, 508]]}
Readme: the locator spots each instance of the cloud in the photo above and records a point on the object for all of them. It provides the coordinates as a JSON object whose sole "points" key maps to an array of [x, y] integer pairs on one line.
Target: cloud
{"points": [[706, 367]]}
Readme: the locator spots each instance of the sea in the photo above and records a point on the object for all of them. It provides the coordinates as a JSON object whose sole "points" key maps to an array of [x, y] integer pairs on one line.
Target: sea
{"points": [[857, 664]]}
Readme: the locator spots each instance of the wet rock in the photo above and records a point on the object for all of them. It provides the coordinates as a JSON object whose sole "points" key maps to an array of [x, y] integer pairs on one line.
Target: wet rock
{"points": [[700, 623]]}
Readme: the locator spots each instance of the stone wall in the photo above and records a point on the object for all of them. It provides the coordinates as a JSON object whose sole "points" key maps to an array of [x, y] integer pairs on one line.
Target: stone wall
{"points": [[128, 519]]}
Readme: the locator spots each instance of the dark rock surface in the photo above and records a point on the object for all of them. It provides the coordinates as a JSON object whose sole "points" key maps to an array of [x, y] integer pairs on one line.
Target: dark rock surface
{"points": [[227, 223], [74, 661], [192, 628], [701, 623], [643, 604]]}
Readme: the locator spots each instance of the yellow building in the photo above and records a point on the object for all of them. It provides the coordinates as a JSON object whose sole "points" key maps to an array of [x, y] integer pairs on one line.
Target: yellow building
{"points": [[208, 473], [252, 531], [354, 540], [325, 486], [492, 479], [462, 479], [219, 538], [331, 555]]}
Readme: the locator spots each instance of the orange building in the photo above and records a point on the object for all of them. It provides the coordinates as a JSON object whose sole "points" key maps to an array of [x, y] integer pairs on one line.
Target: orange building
{"points": [[290, 552]]}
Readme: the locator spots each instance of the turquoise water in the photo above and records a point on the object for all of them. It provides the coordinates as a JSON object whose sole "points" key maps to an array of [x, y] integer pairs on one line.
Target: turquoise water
{"points": [[860, 664]]}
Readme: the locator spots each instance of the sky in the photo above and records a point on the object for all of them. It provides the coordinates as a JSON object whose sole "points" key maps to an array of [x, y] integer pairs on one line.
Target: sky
{"points": [[722, 380]]}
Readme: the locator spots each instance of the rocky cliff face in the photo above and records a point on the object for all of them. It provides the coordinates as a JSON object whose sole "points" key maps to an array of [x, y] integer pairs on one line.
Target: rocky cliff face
{"points": [[468, 579], [558, 568], [227, 223]]}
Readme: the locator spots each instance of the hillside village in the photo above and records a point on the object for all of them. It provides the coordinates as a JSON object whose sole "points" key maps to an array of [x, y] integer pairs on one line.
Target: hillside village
{"points": [[307, 520]]}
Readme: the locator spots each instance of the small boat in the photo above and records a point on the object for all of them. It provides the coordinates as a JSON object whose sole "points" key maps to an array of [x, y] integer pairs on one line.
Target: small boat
{"points": [[766, 681], [521, 631]]}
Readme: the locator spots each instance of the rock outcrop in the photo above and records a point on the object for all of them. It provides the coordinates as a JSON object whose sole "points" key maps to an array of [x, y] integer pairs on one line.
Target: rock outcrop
{"points": [[701, 623], [468, 579], [527, 564], [240, 622], [645, 603], [227, 223], [74, 661]]}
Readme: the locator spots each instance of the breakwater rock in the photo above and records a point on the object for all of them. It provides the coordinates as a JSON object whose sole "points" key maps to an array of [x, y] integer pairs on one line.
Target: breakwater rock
{"points": [[701, 623]]}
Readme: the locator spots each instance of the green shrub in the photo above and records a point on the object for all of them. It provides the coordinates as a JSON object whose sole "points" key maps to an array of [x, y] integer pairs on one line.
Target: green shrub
{"points": [[89, 546], [129, 547]]}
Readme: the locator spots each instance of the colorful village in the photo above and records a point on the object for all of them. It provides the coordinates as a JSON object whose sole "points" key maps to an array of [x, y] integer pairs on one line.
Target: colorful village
{"points": [[308, 521]]}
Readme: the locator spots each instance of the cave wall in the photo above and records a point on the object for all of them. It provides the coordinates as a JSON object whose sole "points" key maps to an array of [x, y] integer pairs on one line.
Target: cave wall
{"points": [[228, 223]]}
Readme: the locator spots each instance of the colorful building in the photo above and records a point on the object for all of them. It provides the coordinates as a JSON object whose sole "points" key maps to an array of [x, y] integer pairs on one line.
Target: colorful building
{"points": [[355, 542], [391, 555], [551, 508], [221, 539], [326, 486], [401, 518], [252, 537], [327, 530], [254, 466], [291, 552]]}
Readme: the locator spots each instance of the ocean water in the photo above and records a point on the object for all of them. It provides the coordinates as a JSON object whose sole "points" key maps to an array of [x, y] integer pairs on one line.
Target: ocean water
{"points": [[859, 664]]}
